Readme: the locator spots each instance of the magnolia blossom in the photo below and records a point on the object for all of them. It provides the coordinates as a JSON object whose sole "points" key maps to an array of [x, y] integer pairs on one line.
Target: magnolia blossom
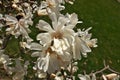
{"points": [[50, 6], [60, 42], [59, 36], [59, 45], [50, 63], [87, 37], [41, 10], [48, 60], [18, 25], [82, 43]]}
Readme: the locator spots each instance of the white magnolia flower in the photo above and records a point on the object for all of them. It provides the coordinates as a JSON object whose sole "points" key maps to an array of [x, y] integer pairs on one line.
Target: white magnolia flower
{"points": [[85, 36], [28, 13], [60, 34], [50, 6], [49, 61], [60, 43], [82, 43], [60, 40], [79, 47], [42, 9], [55, 54], [18, 25], [56, 5]]}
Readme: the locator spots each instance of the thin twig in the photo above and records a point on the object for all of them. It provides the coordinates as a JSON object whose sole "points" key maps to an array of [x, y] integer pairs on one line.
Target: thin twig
{"points": [[106, 67], [100, 71], [113, 71]]}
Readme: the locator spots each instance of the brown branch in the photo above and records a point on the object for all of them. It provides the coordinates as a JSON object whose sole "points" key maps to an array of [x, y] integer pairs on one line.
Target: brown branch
{"points": [[100, 71], [106, 67], [113, 71]]}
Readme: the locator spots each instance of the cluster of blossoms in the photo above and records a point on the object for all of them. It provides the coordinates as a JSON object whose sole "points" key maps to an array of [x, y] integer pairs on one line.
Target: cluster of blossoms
{"points": [[59, 45]]}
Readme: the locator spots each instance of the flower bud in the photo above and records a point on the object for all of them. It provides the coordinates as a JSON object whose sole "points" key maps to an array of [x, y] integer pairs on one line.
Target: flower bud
{"points": [[14, 5], [52, 76], [111, 76], [42, 12]]}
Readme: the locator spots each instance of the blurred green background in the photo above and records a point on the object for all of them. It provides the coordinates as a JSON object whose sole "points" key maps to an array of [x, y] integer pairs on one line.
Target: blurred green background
{"points": [[104, 18]]}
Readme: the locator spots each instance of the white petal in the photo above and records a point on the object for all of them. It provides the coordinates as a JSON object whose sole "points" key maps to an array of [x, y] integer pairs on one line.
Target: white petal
{"points": [[57, 43], [84, 47], [76, 48], [43, 63], [54, 64], [35, 46], [43, 4], [45, 38], [61, 22], [42, 12], [10, 20], [53, 17], [42, 25], [35, 54], [66, 56]]}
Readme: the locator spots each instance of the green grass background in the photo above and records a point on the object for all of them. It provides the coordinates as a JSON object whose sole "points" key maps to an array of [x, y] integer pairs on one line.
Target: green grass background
{"points": [[104, 17]]}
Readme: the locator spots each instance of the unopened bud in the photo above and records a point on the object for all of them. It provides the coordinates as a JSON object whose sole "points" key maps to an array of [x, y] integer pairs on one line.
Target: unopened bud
{"points": [[111, 76], [74, 69], [42, 12], [52, 76], [42, 75], [14, 5]]}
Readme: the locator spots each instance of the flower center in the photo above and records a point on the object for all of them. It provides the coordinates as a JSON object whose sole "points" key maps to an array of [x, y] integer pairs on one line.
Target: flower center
{"points": [[57, 35]]}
